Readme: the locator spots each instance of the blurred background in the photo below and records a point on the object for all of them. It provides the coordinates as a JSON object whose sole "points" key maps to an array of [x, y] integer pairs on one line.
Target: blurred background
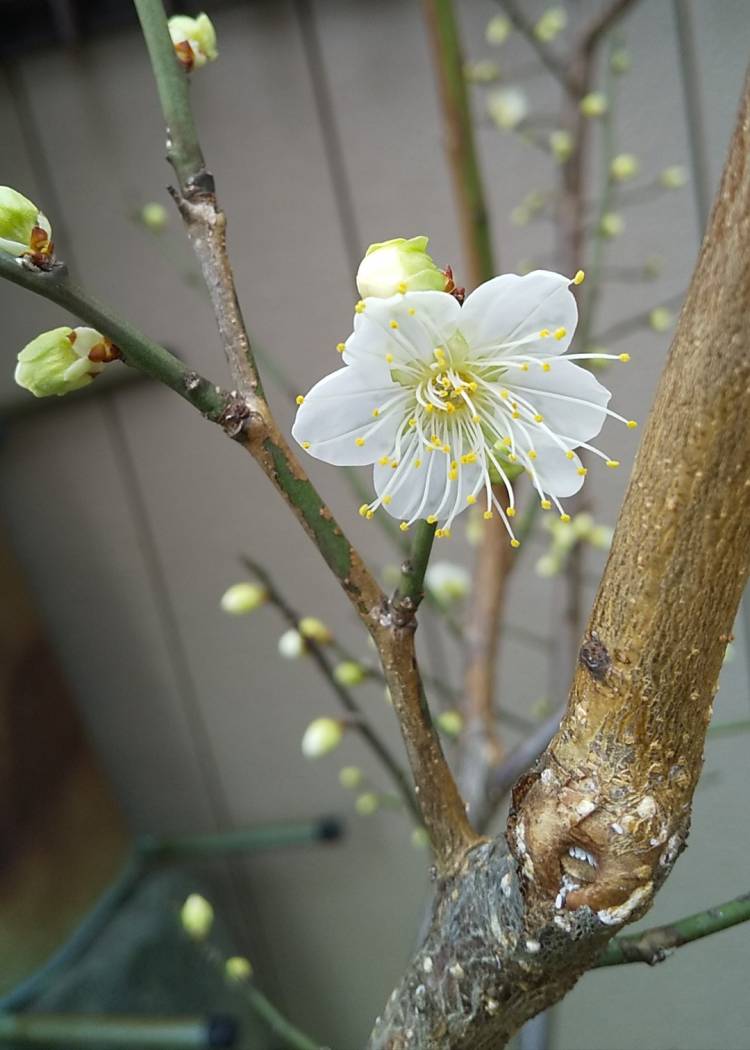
{"points": [[130, 705]]}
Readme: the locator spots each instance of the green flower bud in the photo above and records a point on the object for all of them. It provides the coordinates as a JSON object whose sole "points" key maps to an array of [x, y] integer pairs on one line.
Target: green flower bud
{"points": [[399, 265], [498, 30], [611, 224], [507, 107], [661, 319], [450, 722], [367, 804], [483, 71], [594, 104], [624, 166], [194, 40], [420, 839], [561, 145], [674, 178], [620, 62], [238, 969], [154, 216], [314, 629], [322, 736], [291, 645], [475, 526], [582, 525], [548, 565], [62, 360], [242, 598], [448, 582], [601, 537], [197, 917], [351, 777], [551, 24], [349, 672], [24, 230]]}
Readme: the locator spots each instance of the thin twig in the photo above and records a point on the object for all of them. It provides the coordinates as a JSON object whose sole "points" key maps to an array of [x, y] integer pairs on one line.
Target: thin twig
{"points": [[628, 325], [654, 945], [546, 55], [601, 24]]}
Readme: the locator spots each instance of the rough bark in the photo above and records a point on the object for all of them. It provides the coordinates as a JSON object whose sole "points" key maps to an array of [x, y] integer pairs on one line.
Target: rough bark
{"points": [[598, 824]]}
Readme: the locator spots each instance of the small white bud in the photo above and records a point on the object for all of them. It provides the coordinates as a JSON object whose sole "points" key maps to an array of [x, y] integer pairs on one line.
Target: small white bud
{"points": [[450, 722], [594, 104], [674, 178], [507, 107], [624, 166], [194, 40], [350, 777], [547, 566], [498, 30], [322, 736], [154, 216], [582, 525], [561, 145], [420, 839], [447, 581], [349, 673], [197, 917], [482, 71], [291, 645], [620, 62], [242, 598], [601, 537], [551, 24], [314, 629], [398, 265], [661, 319], [238, 969], [611, 224], [367, 804]]}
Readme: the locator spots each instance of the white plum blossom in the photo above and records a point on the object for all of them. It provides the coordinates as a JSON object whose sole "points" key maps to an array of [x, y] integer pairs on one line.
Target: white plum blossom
{"points": [[447, 401]]}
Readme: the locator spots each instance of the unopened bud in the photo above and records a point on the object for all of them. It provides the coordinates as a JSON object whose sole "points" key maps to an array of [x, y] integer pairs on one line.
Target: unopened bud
{"points": [[238, 969], [314, 629], [154, 216], [551, 24], [62, 360], [594, 104], [450, 722], [24, 230], [561, 145], [674, 178], [620, 61], [624, 166], [601, 537], [322, 736], [367, 804], [291, 645], [447, 581], [498, 30], [611, 224], [197, 917], [350, 777], [398, 265], [349, 672], [548, 565], [507, 107], [582, 525], [194, 40], [483, 71], [661, 319], [420, 838], [242, 598]]}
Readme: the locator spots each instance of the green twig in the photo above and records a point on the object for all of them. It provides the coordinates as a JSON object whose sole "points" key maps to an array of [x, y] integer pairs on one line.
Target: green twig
{"points": [[413, 570], [654, 945], [143, 1033], [729, 728], [276, 1021]]}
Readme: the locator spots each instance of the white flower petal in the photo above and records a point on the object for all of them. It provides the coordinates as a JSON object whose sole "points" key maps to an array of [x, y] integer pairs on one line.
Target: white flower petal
{"points": [[580, 418], [419, 492], [408, 327], [12, 247], [510, 308], [556, 474], [339, 409]]}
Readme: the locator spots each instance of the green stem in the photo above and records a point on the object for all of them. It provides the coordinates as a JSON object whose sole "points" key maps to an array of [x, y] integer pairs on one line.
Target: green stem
{"points": [[144, 1033], [729, 728], [413, 570], [654, 945], [184, 848], [276, 1021], [172, 82], [137, 349]]}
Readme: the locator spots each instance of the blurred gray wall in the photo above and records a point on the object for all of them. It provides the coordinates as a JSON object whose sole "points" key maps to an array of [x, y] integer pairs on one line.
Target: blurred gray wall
{"points": [[128, 512]]}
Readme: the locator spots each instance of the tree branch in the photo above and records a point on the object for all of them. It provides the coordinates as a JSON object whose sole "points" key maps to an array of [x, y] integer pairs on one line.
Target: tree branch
{"points": [[654, 945], [546, 55]]}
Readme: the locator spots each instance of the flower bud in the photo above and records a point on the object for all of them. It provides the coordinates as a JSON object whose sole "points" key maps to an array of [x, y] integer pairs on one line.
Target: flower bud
{"points": [[611, 224], [399, 265], [661, 319], [238, 969], [507, 107], [367, 804], [498, 30], [24, 230], [483, 71], [594, 104], [623, 167], [552, 22], [197, 917], [420, 838], [674, 178], [620, 61], [448, 582], [350, 777], [194, 40], [321, 736], [62, 360], [582, 525], [154, 216], [601, 537], [314, 629], [349, 672], [450, 722], [291, 645], [561, 145], [243, 598], [548, 565]]}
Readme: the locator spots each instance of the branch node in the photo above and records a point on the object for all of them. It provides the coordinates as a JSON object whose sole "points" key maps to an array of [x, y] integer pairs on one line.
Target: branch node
{"points": [[236, 415]]}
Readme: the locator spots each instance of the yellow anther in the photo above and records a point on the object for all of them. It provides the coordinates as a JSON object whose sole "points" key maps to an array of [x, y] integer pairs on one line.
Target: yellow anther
{"points": [[487, 515], [370, 515], [476, 418], [454, 464], [515, 543], [507, 442], [363, 510], [452, 475], [439, 353], [624, 358], [299, 399], [429, 408], [565, 519], [545, 504], [546, 366], [394, 464], [515, 414], [443, 534], [449, 408], [376, 412], [389, 359], [383, 461], [469, 457], [341, 347], [439, 534], [359, 441], [446, 449], [504, 394], [579, 277], [582, 471], [525, 366], [404, 526], [561, 333], [305, 444], [417, 464], [544, 333], [471, 500], [387, 500], [532, 453], [632, 424], [512, 457], [570, 454], [402, 287], [431, 519], [394, 325], [473, 386], [538, 418], [359, 307], [510, 511], [412, 422], [613, 463], [411, 311]]}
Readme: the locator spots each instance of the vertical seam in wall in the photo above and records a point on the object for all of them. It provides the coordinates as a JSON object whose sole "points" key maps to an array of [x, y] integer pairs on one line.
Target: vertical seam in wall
{"points": [[696, 127]]}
